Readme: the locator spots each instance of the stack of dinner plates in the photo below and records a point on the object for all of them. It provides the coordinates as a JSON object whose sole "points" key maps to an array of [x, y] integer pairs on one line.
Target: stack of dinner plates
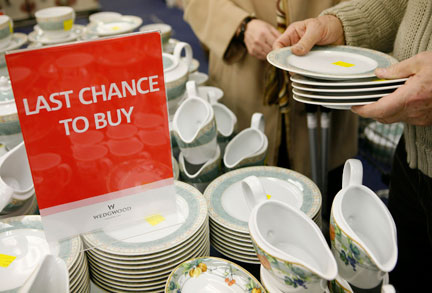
{"points": [[23, 244], [143, 263], [229, 212], [336, 77]]}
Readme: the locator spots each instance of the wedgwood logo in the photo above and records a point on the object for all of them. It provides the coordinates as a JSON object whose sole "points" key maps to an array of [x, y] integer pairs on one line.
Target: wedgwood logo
{"points": [[112, 211]]}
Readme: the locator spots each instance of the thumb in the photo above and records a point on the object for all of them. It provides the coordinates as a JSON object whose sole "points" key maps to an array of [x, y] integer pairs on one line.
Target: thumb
{"points": [[311, 36], [402, 69]]}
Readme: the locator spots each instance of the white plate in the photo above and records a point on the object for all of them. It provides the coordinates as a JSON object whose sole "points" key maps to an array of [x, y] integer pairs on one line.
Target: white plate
{"points": [[127, 23], [190, 202], [17, 40], [339, 105], [340, 96], [347, 90], [76, 31], [332, 62], [228, 207], [211, 274], [372, 81]]}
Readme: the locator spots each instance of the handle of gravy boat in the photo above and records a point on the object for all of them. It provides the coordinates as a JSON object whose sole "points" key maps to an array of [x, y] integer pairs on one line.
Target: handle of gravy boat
{"points": [[388, 289], [191, 89], [257, 121], [188, 52], [253, 191], [352, 173], [6, 193]]}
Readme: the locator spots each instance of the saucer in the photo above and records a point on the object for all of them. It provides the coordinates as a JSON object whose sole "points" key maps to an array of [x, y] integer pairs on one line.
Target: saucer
{"points": [[332, 62], [17, 40], [127, 23], [346, 90], [76, 31], [371, 81], [211, 274]]}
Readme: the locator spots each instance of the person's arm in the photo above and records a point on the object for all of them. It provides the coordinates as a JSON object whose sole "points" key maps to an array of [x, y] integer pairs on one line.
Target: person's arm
{"points": [[215, 22]]}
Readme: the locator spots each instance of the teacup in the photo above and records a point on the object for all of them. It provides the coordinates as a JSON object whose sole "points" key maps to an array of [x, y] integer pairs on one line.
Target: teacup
{"points": [[164, 29], [200, 175], [6, 31], [91, 161], [16, 184], [176, 74], [291, 247], [209, 93], [104, 16], [200, 78], [194, 127], [248, 147], [55, 22], [362, 231]]}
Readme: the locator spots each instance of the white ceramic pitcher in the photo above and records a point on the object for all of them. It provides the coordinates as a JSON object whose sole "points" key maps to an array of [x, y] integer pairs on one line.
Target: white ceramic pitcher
{"points": [[16, 184], [362, 231], [289, 245]]}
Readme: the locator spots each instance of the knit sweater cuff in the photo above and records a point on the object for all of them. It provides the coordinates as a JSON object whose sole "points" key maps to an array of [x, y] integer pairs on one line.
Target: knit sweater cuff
{"points": [[367, 23]]}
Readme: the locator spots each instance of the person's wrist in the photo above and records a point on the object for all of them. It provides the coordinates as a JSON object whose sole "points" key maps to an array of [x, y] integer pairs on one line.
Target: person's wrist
{"points": [[240, 34]]}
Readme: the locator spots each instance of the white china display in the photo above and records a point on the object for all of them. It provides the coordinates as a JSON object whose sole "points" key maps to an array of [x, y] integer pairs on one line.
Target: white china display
{"points": [[10, 130], [229, 212], [201, 175], [176, 74], [211, 274], [39, 38], [6, 30], [144, 262], [295, 253], [55, 22], [362, 231], [336, 77], [16, 184], [194, 128], [23, 239], [248, 147], [112, 24]]}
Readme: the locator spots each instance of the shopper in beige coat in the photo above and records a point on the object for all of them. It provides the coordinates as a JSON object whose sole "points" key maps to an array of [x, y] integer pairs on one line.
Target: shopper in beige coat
{"points": [[241, 73]]}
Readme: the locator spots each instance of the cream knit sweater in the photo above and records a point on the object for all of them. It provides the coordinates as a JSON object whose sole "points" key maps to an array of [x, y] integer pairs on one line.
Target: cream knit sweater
{"points": [[403, 27]]}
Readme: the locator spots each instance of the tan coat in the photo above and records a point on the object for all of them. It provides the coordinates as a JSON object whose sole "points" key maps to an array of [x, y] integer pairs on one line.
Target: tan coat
{"points": [[241, 75]]}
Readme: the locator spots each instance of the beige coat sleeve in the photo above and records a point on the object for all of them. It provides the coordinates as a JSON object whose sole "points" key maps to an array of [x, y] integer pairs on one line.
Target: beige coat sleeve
{"points": [[215, 23]]}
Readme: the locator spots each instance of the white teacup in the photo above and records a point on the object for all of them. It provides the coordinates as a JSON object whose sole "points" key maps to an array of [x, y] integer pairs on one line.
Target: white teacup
{"points": [[249, 147], [362, 231], [194, 127], [164, 29], [55, 22], [104, 17], [16, 184], [6, 30], [291, 247]]}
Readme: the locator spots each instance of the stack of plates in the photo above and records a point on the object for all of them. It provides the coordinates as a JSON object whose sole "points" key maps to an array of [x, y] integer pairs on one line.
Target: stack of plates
{"points": [[24, 238], [211, 274], [229, 212], [143, 263], [336, 77]]}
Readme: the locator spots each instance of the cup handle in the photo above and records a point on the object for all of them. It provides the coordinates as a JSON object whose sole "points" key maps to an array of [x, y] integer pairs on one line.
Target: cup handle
{"points": [[253, 191], [191, 89], [257, 121], [188, 52], [6, 193], [211, 98], [388, 288], [352, 173], [67, 171]]}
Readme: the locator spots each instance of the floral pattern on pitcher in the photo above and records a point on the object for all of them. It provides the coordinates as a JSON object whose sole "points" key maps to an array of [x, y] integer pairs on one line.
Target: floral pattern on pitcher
{"points": [[292, 274], [347, 250], [228, 273]]}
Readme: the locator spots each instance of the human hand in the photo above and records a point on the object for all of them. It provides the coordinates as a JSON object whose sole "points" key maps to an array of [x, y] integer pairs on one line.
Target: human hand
{"points": [[410, 103], [303, 35], [259, 37]]}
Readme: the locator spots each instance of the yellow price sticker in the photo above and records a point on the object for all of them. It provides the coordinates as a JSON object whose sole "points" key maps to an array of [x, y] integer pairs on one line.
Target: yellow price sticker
{"points": [[115, 28], [6, 260], [380, 79], [268, 196], [68, 24], [10, 28], [343, 64], [155, 219]]}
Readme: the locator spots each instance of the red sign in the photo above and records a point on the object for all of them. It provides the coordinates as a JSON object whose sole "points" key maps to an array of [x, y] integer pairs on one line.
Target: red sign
{"points": [[93, 117]]}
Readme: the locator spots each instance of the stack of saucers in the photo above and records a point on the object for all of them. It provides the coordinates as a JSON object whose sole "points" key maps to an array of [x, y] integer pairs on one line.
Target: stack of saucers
{"points": [[336, 77], [229, 212], [22, 240], [143, 263]]}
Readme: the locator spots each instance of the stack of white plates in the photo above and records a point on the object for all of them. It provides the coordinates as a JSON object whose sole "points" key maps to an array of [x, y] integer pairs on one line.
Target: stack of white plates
{"points": [[336, 77], [23, 239], [229, 212], [143, 263]]}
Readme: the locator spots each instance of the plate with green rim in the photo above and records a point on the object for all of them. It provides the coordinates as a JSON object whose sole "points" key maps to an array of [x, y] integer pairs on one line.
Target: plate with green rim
{"points": [[332, 62], [228, 208]]}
